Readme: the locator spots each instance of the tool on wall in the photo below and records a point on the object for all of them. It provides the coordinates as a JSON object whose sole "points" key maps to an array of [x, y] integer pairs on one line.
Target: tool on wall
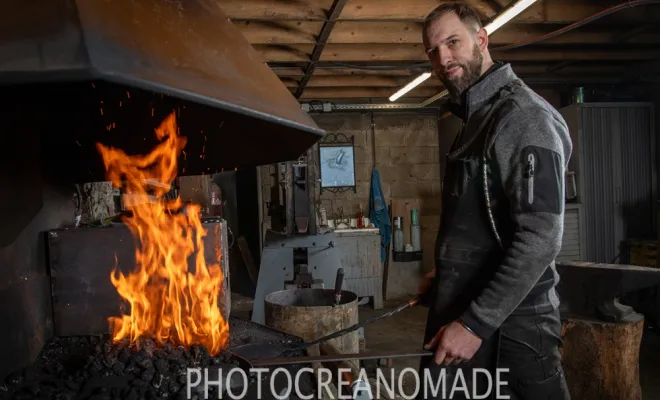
{"points": [[338, 283]]}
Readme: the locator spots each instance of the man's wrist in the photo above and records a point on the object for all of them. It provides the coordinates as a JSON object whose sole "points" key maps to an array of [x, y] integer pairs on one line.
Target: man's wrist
{"points": [[467, 328]]}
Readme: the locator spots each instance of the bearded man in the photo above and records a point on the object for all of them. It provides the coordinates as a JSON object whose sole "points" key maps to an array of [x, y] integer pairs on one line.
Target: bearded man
{"points": [[492, 298]]}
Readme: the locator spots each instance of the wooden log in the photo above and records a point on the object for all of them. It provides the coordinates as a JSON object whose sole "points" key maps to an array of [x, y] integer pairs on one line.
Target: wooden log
{"points": [[601, 359]]}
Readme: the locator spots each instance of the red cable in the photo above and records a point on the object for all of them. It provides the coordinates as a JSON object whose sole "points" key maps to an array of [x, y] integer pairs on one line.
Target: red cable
{"points": [[607, 11]]}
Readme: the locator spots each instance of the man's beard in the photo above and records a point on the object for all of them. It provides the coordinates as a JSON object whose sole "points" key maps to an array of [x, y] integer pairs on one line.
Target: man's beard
{"points": [[471, 73]]}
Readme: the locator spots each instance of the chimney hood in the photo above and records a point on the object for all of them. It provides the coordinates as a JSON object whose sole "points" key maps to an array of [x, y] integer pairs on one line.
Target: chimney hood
{"points": [[110, 71]]}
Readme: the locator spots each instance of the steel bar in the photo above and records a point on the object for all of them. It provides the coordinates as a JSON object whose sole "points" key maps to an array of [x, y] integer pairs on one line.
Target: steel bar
{"points": [[372, 355]]}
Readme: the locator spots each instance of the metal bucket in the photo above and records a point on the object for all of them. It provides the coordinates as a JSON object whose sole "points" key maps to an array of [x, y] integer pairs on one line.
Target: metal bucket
{"points": [[311, 314]]}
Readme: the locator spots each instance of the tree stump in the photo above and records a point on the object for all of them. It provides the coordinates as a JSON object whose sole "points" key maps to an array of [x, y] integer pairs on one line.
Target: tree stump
{"points": [[601, 359]]}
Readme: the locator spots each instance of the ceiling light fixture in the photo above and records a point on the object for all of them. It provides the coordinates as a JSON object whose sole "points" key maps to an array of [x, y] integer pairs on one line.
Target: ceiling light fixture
{"points": [[509, 14], [410, 86]]}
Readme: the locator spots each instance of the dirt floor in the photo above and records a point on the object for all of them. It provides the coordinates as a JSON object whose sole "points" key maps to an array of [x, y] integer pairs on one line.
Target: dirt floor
{"points": [[404, 331]]}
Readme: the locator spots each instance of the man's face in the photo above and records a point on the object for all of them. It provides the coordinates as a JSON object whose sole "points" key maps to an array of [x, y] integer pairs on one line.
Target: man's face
{"points": [[455, 52]]}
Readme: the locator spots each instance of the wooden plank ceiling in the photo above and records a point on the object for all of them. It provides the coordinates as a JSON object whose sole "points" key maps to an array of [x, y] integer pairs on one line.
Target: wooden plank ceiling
{"points": [[321, 49]]}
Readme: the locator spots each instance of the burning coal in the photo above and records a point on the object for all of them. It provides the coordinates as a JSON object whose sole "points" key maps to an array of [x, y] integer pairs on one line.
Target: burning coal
{"points": [[169, 303]]}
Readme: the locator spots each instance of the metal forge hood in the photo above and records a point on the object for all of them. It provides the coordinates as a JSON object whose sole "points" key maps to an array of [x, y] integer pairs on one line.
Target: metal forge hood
{"points": [[111, 70]]}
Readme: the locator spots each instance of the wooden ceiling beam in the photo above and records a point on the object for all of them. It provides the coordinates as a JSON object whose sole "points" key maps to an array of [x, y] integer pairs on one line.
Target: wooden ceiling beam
{"points": [[414, 53], [320, 71], [495, 6], [484, 8], [344, 77], [554, 11], [335, 11], [366, 81], [353, 93], [280, 32], [395, 82], [369, 32], [276, 9]]}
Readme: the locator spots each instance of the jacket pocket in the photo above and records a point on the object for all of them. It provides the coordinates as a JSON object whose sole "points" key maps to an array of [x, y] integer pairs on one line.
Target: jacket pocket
{"points": [[552, 388], [542, 186]]}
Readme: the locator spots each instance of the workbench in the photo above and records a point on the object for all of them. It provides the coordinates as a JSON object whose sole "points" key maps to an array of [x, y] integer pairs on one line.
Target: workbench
{"points": [[359, 251]]}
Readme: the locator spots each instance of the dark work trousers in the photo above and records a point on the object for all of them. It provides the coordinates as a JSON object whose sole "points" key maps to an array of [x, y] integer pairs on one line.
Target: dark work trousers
{"points": [[527, 346]]}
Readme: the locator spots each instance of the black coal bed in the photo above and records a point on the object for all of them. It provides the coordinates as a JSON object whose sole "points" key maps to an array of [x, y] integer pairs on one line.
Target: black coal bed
{"points": [[92, 367], [79, 361]]}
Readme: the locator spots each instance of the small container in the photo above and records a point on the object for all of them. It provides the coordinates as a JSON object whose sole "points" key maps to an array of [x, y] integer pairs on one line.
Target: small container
{"points": [[578, 95], [215, 209], [415, 233], [360, 218], [398, 234], [414, 217], [324, 217], [415, 238]]}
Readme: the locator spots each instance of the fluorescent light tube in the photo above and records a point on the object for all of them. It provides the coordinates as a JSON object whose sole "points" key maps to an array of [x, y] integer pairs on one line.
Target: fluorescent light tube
{"points": [[508, 15], [410, 86]]}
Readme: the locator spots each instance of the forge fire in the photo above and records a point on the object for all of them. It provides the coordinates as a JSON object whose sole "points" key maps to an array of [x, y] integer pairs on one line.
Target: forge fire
{"points": [[168, 302], [175, 320]]}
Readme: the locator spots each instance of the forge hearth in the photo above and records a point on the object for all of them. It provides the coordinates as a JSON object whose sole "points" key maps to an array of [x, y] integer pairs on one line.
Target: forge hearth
{"points": [[92, 367]]}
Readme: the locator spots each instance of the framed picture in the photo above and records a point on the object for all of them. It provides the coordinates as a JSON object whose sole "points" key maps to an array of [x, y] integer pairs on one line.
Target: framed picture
{"points": [[337, 163]]}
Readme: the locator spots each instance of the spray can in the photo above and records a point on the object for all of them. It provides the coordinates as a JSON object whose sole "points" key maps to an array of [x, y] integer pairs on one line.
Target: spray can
{"points": [[415, 234]]}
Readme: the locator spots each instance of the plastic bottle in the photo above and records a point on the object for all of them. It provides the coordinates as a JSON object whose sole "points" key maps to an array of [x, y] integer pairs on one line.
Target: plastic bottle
{"points": [[415, 234], [398, 234]]}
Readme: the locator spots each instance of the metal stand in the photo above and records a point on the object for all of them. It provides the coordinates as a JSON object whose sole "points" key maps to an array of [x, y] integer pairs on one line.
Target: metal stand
{"points": [[288, 261]]}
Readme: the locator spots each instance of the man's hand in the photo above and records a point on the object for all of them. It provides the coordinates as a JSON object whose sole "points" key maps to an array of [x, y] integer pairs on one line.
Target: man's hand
{"points": [[454, 344]]}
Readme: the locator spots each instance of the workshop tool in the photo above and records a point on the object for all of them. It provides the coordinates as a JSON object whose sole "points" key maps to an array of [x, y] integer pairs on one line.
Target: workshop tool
{"points": [[293, 257], [268, 350], [338, 283], [370, 355], [591, 290]]}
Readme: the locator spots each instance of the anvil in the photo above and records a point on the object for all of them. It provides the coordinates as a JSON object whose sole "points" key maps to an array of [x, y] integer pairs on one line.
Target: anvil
{"points": [[592, 289]]}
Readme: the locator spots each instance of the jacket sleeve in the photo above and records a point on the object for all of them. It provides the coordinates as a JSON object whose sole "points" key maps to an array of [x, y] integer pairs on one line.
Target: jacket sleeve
{"points": [[530, 150]]}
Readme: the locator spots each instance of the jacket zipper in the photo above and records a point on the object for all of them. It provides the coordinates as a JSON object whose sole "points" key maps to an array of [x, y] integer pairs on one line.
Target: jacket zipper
{"points": [[530, 174]]}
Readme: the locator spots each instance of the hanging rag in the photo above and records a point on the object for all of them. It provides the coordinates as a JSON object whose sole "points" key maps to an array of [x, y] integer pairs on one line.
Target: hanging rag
{"points": [[378, 213]]}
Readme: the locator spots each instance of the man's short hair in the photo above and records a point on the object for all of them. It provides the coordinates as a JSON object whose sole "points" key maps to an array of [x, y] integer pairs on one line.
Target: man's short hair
{"points": [[465, 13]]}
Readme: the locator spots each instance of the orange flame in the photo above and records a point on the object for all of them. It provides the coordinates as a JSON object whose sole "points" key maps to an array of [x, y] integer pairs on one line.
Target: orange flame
{"points": [[168, 303]]}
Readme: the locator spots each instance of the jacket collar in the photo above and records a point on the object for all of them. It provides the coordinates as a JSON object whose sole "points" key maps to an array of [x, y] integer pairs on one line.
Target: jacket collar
{"points": [[488, 85]]}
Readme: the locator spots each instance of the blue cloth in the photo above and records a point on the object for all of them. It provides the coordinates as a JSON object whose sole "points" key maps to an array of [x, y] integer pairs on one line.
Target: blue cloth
{"points": [[378, 213]]}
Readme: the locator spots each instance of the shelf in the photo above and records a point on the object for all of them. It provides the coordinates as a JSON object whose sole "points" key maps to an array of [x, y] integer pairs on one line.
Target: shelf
{"points": [[407, 256]]}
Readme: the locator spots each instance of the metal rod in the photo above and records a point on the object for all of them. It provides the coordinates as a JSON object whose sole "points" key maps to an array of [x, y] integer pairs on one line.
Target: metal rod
{"points": [[312, 174], [339, 357], [288, 191]]}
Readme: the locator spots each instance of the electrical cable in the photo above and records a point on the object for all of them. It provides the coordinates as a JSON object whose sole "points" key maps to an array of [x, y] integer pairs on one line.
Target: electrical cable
{"points": [[575, 25]]}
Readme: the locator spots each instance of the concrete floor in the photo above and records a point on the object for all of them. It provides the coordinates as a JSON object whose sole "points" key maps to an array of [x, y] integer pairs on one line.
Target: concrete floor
{"points": [[405, 331]]}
